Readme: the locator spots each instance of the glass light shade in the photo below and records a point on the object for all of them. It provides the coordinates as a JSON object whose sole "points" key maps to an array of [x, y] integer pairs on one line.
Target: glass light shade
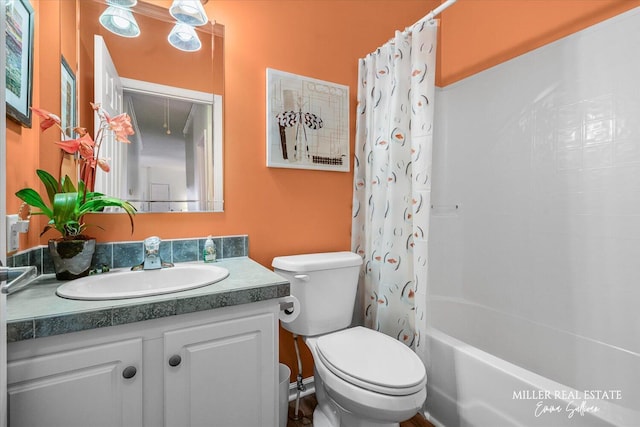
{"points": [[189, 12], [122, 3], [120, 21], [184, 37]]}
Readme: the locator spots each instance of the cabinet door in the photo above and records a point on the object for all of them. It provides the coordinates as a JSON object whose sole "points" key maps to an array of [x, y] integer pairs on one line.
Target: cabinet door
{"points": [[225, 374], [82, 387]]}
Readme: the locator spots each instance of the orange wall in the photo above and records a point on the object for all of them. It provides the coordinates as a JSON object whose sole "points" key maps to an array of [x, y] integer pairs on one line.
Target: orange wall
{"points": [[292, 211], [303, 37], [27, 149], [478, 34], [148, 57]]}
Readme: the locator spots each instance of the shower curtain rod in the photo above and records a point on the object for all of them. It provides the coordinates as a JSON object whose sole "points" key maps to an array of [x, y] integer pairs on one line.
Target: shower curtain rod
{"points": [[429, 16], [437, 11]]}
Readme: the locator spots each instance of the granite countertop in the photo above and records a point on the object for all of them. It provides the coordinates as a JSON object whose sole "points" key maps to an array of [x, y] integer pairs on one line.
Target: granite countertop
{"points": [[37, 311]]}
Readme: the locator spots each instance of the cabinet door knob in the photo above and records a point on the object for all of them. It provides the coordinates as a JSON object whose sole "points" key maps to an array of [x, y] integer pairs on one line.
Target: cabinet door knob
{"points": [[129, 372], [175, 360]]}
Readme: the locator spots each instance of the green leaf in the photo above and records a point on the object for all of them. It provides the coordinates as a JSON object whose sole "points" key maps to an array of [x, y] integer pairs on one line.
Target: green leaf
{"points": [[68, 205], [65, 210], [50, 183], [81, 187], [93, 195], [98, 203], [67, 185], [31, 197]]}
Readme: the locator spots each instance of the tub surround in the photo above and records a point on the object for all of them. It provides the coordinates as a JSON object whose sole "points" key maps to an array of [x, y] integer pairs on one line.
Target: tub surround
{"points": [[37, 311], [545, 246]]}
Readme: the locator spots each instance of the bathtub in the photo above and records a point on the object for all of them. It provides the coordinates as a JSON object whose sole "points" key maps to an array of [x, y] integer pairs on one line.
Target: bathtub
{"points": [[468, 386]]}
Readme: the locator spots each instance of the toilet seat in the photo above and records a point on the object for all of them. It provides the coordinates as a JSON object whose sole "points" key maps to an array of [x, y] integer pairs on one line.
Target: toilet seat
{"points": [[372, 360]]}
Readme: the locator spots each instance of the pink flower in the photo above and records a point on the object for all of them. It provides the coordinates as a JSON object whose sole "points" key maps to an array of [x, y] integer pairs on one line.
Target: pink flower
{"points": [[70, 146], [121, 126], [48, 119], [85, 145], [102, 163]]}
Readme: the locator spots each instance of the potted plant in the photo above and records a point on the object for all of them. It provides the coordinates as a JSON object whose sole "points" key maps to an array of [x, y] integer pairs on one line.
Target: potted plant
{"points": [[66, 204]]}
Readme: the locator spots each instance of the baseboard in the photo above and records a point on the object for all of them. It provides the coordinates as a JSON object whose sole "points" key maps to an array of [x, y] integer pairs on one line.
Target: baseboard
{"points": [[309, 385], [432, 419]]}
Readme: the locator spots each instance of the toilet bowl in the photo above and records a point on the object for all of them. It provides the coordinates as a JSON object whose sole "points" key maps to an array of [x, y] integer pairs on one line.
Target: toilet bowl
{"points": [[363, 378], [372, 379]]}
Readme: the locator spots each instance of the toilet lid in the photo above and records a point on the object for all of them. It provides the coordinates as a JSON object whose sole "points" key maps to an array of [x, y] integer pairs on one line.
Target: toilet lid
{"points": [[372, 360]]}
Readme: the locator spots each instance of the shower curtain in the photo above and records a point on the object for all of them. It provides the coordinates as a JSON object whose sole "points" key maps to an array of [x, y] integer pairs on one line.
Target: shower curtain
{"points": [[392, 181]]}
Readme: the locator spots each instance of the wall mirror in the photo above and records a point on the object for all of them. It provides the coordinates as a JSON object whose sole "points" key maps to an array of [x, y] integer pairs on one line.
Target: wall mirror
{"points": [[174, 97]]}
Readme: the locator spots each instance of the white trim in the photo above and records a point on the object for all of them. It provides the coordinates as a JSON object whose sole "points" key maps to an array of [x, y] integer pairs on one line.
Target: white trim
{"points": [[218, 161], [3, 148], [310, 388], [432, 419], [140, 86], [3, 219]]}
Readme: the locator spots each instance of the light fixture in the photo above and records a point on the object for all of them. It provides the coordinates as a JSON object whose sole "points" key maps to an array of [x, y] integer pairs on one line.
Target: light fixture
{"points": [[120, 21], [184, 37], [122, 3], [189, 12], [167, 118]]}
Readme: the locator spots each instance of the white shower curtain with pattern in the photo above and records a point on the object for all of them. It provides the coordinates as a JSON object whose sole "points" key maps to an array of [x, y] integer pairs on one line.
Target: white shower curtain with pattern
{"points": [[392, 182]]}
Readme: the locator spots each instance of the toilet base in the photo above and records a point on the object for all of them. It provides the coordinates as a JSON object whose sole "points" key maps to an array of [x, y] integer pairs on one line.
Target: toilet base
{"points": [[329, 414], [320, 419]]}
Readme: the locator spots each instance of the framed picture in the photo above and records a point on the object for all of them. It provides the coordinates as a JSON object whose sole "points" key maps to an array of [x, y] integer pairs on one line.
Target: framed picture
{"points": [[68, 105], [19, 68], [307, 123]]}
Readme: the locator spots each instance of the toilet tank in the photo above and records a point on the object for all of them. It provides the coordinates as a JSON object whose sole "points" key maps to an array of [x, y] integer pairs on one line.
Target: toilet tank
{"points": [[326, 285]]}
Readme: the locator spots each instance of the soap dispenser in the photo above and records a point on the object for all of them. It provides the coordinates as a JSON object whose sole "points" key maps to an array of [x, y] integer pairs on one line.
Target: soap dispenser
{"points": [[209, 251]]}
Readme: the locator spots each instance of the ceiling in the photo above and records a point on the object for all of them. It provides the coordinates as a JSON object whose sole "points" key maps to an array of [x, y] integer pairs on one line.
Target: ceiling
{"points": [[152, 123]]}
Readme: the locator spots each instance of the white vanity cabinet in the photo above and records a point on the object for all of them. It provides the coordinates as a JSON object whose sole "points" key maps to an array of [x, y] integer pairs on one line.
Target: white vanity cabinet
{"points": [[98, 386], [224, 370], [209, 368]]}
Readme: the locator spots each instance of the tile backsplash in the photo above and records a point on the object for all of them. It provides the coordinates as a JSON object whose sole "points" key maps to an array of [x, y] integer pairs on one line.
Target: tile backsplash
{"points": [[128, 254]]}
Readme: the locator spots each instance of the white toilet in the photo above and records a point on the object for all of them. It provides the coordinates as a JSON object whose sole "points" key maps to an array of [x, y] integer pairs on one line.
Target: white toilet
{"points": [[363, 378]]}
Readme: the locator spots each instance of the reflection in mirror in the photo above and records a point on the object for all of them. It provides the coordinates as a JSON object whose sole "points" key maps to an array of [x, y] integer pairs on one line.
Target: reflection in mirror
{"points": [[171, 132], [174, 161]]}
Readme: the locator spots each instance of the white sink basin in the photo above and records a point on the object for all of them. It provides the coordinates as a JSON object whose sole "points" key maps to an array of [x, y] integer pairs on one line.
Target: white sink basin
{"points": [[142, 283]]}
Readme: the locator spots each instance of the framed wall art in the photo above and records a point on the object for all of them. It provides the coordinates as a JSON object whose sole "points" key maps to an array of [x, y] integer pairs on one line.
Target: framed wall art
{"points": [[68, 105], [307, 123], [19, 58]]}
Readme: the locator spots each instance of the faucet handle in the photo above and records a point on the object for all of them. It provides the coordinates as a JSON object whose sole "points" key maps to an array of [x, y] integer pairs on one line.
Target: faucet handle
{"points": [[152, 244], [16, 278]]}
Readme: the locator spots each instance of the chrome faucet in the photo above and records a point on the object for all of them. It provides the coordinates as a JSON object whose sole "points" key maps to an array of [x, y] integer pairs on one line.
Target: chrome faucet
{"points": [[152, 253], [152, 259], [15, 278]]}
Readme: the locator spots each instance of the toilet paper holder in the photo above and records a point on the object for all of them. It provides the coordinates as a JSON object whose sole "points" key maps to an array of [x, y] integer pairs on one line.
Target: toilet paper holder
{"points": [[287, 307]]}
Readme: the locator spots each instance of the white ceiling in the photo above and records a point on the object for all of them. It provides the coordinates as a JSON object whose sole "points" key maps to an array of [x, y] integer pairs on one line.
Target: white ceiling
{"points": [[150, 116]]}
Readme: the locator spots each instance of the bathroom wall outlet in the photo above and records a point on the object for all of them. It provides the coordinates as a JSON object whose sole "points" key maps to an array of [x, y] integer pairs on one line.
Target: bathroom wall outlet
{"points": [[13, 243], [15, 225]]}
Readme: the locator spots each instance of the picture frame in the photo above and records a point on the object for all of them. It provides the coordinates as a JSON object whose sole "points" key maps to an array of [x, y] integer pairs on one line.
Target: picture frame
{"points": [[19, 61], [68, 104], [307, 123]]}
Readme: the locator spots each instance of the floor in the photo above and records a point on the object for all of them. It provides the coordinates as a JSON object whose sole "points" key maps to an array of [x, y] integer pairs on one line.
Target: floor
{"points": [[308, 403]]}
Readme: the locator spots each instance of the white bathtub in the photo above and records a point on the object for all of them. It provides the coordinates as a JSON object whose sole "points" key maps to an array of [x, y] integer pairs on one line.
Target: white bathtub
{"points": [[470, 387]]}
